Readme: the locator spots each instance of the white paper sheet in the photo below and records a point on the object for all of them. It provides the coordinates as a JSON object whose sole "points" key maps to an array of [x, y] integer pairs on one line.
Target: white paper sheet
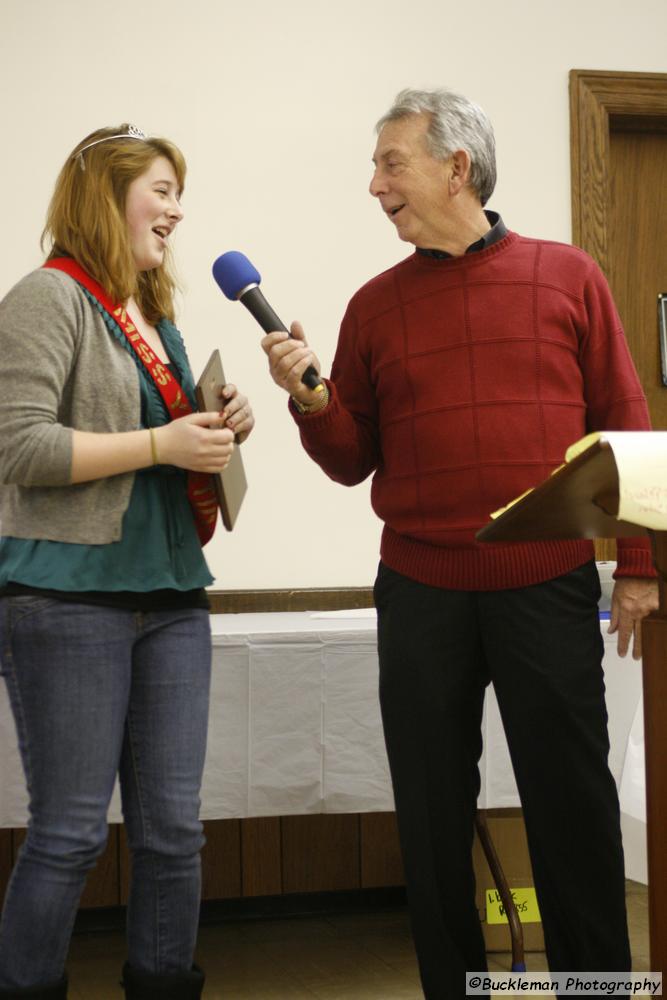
{"points": [[641, 459]]}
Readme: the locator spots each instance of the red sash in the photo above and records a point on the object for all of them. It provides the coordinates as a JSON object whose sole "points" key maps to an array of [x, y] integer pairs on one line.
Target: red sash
{"points": [[201, 491]]}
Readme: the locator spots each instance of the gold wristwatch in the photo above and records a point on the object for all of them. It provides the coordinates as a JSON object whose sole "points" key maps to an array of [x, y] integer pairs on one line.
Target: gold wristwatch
{"points": [[318, 404]]}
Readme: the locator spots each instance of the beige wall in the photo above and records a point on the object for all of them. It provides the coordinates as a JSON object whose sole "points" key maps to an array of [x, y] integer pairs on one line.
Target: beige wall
{"points": [[273, 104]]}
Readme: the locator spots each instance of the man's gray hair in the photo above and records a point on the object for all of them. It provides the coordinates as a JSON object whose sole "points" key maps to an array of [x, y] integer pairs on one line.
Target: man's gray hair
{"points": [[455, 123]]}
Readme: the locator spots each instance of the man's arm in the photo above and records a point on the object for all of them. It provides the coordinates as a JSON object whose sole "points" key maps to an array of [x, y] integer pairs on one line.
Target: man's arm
{"points": [[338, 428]]}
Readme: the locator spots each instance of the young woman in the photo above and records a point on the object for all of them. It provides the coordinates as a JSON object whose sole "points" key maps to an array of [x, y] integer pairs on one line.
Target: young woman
{"points": [[104, 505]]}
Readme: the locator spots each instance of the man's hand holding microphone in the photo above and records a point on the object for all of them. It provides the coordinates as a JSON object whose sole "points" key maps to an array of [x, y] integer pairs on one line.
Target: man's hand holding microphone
{"points": [[289, 357], [292, 364]]}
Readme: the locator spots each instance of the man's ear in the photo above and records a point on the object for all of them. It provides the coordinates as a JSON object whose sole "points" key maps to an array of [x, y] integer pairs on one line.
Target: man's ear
{"points": [[459, 170]]}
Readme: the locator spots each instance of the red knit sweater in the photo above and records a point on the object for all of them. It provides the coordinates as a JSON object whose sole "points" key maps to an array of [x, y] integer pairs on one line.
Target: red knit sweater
{"points": [[461, 382]]}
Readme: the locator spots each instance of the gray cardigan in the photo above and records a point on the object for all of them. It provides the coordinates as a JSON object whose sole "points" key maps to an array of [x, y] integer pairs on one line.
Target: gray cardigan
{"points": [[59, 369]]}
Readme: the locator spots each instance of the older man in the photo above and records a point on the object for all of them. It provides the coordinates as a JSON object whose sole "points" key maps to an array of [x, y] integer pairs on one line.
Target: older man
{"points": [[461, 376]]}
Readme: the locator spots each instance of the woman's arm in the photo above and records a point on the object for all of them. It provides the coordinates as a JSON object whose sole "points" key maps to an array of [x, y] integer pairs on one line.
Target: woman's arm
{"points": [[189, 443], [200, 442], [40, 319]]}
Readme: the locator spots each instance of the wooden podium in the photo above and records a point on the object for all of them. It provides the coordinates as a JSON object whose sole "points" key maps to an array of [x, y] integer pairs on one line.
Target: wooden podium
{"points": [[580, 500]]}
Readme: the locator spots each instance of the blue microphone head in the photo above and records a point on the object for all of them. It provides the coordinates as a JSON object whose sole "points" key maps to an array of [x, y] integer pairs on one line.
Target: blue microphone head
{"points": [[234, 272]]}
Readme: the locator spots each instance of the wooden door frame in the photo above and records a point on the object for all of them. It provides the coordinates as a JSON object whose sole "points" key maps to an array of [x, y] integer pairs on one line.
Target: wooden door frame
{"points": [[597, 98], [601, 100]]}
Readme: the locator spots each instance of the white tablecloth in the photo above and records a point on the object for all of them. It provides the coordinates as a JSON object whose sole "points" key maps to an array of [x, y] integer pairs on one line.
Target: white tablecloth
{"points": [[295, 724]]}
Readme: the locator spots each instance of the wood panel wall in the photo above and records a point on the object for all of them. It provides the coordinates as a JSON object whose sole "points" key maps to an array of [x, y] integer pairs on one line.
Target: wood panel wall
{"points": [[323, 599], [269, 856], [274, 856]]}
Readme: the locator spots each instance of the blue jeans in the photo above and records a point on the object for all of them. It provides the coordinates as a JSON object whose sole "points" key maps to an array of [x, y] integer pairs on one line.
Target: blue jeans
{"points": [[96, 692]]}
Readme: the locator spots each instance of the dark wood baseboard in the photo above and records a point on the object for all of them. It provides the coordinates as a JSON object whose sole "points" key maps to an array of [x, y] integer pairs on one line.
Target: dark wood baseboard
{"points": [[215, 911], [307, 599]]}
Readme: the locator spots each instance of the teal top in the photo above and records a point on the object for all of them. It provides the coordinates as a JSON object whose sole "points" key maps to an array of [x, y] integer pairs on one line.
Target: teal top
{"points": [[159, 547]]}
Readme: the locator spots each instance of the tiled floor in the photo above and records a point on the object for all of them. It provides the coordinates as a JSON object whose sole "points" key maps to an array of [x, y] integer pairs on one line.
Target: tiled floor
{"points": [[356, 956]]}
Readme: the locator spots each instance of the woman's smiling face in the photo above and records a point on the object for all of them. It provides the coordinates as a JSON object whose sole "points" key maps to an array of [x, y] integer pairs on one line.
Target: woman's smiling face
{"points": [[152, 212]]}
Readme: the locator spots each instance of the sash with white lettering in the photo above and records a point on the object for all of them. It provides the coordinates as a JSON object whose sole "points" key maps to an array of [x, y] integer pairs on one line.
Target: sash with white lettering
{"points": [[201, 491]]}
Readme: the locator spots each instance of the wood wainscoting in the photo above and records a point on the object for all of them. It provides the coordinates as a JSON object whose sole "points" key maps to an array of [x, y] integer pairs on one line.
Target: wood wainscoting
{"points": [[270, 856], [232, 602]]}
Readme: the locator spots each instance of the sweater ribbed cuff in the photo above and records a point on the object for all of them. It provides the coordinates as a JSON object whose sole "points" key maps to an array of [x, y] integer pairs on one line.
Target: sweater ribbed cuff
{"points": [[634, 558]]}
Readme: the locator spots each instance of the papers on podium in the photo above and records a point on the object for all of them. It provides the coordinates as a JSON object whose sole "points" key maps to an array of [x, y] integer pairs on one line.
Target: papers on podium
{"points": [[641, 462]]}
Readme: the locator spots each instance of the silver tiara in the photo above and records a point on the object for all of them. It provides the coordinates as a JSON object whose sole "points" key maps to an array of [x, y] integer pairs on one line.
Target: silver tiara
{"points": [[133, 132]]}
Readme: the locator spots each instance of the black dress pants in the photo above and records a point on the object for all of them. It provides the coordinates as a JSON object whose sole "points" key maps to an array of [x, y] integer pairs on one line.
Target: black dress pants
{"points": [[541, 648]]}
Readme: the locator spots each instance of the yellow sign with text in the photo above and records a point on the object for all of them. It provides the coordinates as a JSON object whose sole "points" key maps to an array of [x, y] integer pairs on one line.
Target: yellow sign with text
{"points": [[525, 901]]}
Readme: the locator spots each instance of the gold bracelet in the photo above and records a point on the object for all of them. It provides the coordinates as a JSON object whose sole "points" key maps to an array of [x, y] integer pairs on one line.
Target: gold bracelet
{"points": [[156, 460]]}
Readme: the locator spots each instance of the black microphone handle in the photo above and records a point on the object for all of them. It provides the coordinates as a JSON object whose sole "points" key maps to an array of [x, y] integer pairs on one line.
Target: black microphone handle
{"points": [[256, 304]]}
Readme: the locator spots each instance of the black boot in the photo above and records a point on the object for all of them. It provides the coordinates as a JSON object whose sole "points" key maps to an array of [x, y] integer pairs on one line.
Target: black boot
{"points": [[162, 986], [51, 991]]}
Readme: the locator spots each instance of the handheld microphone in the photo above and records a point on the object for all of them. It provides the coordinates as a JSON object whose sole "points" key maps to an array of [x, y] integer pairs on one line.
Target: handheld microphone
{"points": [[239, 280]]}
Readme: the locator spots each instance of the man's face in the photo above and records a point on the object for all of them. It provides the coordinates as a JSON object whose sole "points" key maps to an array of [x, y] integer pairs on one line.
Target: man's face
{"points": [[410, 184]]}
